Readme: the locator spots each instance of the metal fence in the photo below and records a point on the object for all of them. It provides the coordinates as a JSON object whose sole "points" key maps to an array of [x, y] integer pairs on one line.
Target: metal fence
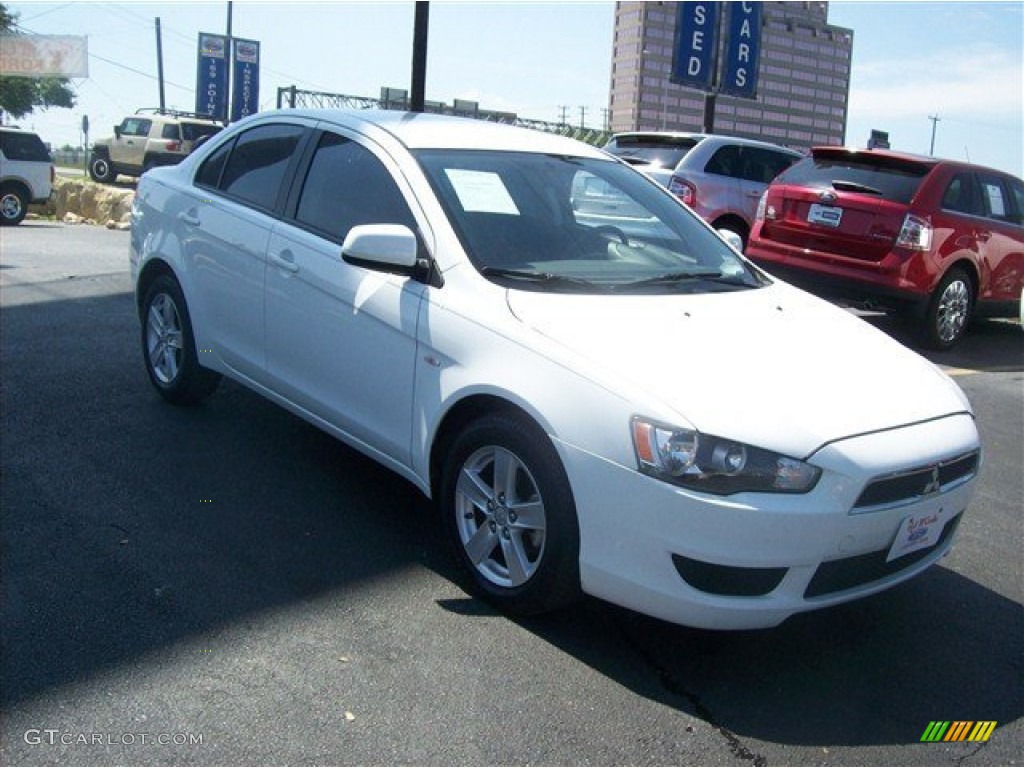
{"points": [[293, 98]]}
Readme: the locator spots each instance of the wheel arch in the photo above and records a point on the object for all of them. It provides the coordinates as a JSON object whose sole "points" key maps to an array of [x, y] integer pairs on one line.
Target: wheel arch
{"points": [[734, 222], [150, 271], [19, 184], [970, 269], [460, 415]]}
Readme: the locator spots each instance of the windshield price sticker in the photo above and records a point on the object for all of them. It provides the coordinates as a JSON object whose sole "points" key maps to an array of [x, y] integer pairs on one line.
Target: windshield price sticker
{"points": [[916, 532], [828, 215]]}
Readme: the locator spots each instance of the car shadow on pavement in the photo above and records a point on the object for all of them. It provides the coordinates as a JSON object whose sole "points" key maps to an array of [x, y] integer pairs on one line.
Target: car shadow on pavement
{"points": [[873, 672], [129, 526], [990, 346]]}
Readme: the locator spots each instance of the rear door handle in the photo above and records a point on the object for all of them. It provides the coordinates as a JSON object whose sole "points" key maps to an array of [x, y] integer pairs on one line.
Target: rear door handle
{"points": [[189, 219], [285, 261]]}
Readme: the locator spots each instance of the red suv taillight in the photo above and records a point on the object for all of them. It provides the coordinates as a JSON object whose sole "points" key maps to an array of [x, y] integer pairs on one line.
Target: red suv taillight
{"points": [[173, 146], [684, 190], [916, 233]]}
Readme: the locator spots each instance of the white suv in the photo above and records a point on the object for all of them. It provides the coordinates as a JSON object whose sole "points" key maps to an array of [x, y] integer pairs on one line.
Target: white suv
{"points": [[26, 174]]}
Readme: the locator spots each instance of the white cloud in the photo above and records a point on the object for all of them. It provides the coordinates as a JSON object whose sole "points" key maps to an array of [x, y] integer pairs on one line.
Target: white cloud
{"points": [[984, 83]]}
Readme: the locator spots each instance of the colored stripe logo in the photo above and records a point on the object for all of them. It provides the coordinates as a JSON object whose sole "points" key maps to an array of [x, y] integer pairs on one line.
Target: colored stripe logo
{"points": [[958, 730]]}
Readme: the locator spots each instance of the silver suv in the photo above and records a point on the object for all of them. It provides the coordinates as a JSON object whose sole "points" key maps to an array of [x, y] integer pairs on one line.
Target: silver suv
{"points": [[26, 174], [721, 177], [147, 139]]}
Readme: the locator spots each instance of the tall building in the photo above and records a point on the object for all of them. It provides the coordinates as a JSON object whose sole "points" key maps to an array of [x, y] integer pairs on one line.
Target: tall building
{"points": [[803, 77]]}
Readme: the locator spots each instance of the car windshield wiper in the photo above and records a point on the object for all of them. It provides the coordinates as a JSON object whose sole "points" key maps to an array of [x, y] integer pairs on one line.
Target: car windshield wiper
{"points": [[854, 186], [547, 278], [669, 278]]}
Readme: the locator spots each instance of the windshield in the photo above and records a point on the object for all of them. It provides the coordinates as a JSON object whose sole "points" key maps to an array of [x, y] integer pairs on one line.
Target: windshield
{"points": [[544, 222]]}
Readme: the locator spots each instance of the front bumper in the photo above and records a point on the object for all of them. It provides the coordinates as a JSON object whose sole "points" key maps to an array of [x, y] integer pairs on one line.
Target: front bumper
{"points": [[752, 560]]}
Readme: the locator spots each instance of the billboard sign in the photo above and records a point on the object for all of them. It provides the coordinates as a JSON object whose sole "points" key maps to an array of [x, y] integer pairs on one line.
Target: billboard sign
{"points": [[212, 76], [693, 51], [739, 75], [44, 56], [245, 91]]}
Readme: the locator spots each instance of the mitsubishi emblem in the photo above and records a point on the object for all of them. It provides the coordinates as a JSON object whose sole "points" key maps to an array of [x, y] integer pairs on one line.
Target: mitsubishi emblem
{"points": [[933, 485]]}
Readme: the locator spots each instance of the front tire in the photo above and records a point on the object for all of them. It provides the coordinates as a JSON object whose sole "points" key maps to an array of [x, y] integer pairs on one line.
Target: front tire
{"points": [[13, 205], [169, 348], [100, 170], [510, 516], [949, 311]]}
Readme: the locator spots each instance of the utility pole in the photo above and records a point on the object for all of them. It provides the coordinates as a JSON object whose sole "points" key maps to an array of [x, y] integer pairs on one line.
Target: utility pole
{"points": [[606, 117], [417, 100], [583, 116], [935, 121], [562, 113], [231, 56], [160, 63]]}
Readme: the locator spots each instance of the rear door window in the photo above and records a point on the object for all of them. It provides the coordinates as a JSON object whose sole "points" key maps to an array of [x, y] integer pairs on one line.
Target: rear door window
{"points": [[995, 198], [258, 164]]}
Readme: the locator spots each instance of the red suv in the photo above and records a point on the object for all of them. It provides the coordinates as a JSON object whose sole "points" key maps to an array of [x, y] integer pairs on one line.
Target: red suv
{"points": [[938, 240]]}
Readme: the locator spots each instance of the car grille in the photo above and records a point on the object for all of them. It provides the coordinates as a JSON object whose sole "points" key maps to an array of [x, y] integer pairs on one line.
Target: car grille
{"points": [[907, 487], [861, 570]]}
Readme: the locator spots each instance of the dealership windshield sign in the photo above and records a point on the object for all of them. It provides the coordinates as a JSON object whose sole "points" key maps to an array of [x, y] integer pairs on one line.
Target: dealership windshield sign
{"points": [[695, 51], [212, 76], [245, 91]]}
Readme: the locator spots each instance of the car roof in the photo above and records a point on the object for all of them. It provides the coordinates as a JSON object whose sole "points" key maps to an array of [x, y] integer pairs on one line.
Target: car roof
{"points": [[419, 130]]}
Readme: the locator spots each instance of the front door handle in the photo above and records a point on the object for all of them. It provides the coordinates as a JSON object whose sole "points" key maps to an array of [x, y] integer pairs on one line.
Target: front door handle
{"points": [[285, 261]]}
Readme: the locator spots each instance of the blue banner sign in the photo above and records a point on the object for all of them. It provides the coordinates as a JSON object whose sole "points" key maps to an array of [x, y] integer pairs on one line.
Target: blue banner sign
{"points": [[693, 52], [212, 76], [739, 76], [245, 91]]}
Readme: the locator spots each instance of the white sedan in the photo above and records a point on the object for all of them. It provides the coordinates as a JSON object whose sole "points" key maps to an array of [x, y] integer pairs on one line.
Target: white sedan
{"points": [[598, 392]]}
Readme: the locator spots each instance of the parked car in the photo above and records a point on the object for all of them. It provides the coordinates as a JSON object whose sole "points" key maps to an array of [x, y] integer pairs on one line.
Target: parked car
{"points": [[561, 356], [147, 139], [937, 240], [26, 173], [720, 177]]}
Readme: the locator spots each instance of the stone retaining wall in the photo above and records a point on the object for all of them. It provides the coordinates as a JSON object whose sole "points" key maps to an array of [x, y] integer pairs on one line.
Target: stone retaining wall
{"points": [[78, 200]]}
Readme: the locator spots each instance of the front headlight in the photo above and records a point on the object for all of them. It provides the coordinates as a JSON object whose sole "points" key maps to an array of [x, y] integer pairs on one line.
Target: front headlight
{"points": [[714, 464]]}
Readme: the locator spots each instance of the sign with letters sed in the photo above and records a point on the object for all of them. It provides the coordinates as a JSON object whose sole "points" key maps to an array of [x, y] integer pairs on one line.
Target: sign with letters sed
{"points": [[693, 52]]}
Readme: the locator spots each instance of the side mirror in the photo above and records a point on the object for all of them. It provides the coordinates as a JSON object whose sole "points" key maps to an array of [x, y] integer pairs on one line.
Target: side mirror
{"points": [[733, 239], [389, 248], [117, 131], [385, 247]]}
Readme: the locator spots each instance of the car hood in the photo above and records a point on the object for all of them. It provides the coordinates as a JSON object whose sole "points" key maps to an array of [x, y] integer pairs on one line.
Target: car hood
{"points": [[773, 367]]}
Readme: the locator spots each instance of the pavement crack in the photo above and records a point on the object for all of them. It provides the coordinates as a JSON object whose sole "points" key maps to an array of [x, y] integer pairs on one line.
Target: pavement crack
{"points": [[675, 687]]}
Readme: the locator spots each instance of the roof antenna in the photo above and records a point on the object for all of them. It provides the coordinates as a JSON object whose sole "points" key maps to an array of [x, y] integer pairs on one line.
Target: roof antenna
{"points": [[968, 153]]}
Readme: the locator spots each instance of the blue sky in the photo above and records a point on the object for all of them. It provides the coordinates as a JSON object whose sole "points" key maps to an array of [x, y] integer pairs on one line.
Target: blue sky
{"points": [[961, 61]]}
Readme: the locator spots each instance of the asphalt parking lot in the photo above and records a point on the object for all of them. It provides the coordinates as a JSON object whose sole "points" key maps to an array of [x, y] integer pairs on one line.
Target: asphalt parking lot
{"points": [[226, 585]]}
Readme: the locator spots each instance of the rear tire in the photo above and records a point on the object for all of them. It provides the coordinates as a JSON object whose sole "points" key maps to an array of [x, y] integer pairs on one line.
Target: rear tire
{"points": [[169, 347], [949, 311], [510, 517], [100, 170], [13, 205]]}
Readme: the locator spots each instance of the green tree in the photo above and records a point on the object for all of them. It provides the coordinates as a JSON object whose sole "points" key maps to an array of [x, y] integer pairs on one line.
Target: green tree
{"points": [[19, 96]]}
